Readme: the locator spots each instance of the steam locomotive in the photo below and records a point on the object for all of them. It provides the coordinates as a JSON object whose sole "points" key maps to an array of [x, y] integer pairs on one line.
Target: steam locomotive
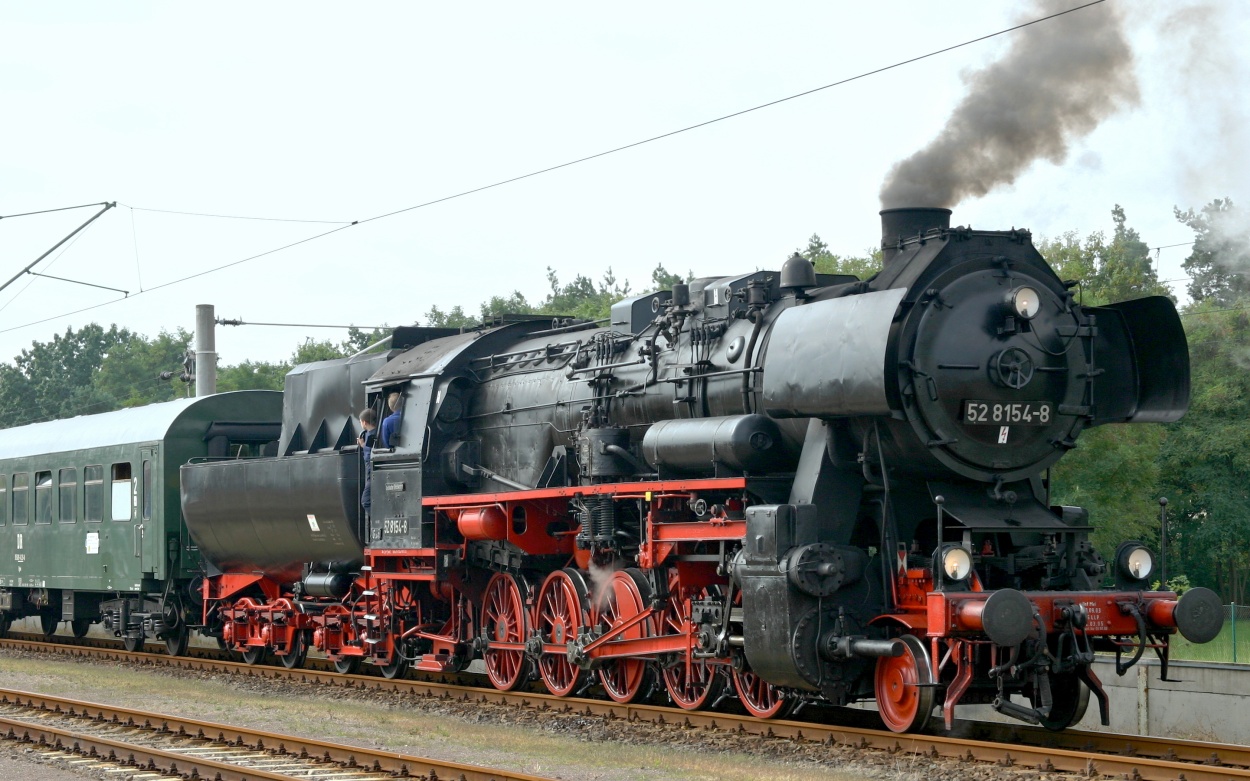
{"points": [[784, 486]]}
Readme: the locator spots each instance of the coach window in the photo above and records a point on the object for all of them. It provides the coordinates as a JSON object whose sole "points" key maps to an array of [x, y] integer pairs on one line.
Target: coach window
{"points": [[21, 499], [43, 497], [147, 490], [4, 498], [67, 488], [93, 493], [123, 485]]}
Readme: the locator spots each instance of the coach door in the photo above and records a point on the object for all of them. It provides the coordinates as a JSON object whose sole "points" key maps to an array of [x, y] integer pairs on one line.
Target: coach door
{"points": [[148, 526]]}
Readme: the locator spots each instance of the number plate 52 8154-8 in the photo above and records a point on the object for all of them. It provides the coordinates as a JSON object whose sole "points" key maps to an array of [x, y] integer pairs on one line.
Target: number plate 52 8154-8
{"points": [[395, 526], [1014, 413]]}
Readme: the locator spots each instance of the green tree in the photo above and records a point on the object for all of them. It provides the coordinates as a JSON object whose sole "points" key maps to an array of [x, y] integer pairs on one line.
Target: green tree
{"points": [[1205, 462], [1219, 264], [583, 298], [358, 339], [1112, 270], [316, 350], [54, 379], [662, 279], [130, 374], [826, 262], [252, 375], [497, 306], [1114, 471], [455, 318]]}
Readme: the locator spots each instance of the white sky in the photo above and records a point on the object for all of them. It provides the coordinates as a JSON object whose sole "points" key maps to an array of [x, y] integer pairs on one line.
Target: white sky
{"points": [[320, 111]]}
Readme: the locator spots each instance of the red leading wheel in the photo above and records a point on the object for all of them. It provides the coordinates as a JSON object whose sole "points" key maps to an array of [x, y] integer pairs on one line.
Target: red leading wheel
{"points": [[761, 699], [623, 597], [505, 626], [693, 684], [904, 697], [560, 614]]}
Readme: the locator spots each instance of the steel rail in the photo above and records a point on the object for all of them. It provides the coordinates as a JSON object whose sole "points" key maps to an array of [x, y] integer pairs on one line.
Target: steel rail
{"points": [[314, 758], [1132, 756]]}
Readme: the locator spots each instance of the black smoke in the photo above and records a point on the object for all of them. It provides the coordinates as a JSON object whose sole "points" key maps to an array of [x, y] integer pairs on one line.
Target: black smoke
{"points": [[1059, 79]]}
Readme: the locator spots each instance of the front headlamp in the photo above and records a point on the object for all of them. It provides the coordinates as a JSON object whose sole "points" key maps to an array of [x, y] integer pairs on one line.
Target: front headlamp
{"points": [[1024, 302], [1134, 561], [956, 563]]}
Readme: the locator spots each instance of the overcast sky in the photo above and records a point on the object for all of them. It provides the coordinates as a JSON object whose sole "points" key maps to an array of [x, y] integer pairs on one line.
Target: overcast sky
{"points": [[342, 112]]}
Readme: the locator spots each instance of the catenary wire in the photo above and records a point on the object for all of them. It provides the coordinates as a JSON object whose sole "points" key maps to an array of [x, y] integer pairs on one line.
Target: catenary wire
{"points": [[577, 161], [234, 216]]}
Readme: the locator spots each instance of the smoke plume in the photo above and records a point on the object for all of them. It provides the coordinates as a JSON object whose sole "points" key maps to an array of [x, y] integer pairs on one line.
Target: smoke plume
{"points": [[1060, 79]]}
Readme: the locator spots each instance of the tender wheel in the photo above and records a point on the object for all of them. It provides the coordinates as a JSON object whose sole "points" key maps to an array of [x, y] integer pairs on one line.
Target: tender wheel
{"points": [[625, 596], [254, 655], [693, 684], [1069, 699], [347, 665], [398, 666], [177, 642], [561, 613], [297, 653], [761, 699], [79, 627], [133, 644], [48, 622], [505, 626], [903, 696]]}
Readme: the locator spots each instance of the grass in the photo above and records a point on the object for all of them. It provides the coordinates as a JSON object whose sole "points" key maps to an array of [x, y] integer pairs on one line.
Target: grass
{"points": [[1218, 650]]}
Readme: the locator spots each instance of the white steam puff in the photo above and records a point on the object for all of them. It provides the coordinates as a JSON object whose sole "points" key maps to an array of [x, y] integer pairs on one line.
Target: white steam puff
{"points": [[1060, 79]]}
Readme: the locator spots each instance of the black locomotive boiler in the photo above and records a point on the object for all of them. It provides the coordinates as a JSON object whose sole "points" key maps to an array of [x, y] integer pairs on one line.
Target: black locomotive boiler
{"points": [[808, 487]]}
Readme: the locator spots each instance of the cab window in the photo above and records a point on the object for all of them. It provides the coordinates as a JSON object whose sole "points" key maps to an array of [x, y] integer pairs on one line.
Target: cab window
{"points": [[122, 485], [93, 493], [4, 498], [43, 497], [21, 499], [66, 494]]}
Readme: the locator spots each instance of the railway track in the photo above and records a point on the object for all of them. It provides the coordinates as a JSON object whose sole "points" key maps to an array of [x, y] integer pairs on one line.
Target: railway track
{"points": [[1090, 754], [178, 747]]}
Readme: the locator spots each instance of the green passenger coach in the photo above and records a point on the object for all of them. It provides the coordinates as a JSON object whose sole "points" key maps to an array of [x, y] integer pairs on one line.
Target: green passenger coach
{"points": [[91, 528]]}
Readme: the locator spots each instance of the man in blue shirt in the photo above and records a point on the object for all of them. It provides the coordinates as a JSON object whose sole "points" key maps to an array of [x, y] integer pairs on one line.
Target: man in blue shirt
{"points": [[368, 436], [390, 424]]}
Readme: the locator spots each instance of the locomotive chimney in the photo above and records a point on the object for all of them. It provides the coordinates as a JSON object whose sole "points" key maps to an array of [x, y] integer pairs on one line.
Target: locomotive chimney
{"points": [[904, 223]]}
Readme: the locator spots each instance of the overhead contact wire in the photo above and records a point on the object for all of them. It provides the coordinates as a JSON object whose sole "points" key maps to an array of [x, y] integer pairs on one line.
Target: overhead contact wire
{"points": [[579, 160]]}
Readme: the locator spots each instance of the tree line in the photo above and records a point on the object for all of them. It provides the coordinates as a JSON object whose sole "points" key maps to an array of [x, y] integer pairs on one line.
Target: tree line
{"points": [[1201, 464]]}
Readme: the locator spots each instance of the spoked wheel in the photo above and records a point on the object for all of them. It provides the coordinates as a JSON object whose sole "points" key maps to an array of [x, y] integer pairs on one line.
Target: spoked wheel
{"points": [[79, 627], [624, 597], [298, 652], [694, 688], [48, 622], [505, 626], [761, 699], [692, 683], [1069, 699], [347, 665], [178, 640], [133, 644], [904, 695], [254, 655], [561, 613]]}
